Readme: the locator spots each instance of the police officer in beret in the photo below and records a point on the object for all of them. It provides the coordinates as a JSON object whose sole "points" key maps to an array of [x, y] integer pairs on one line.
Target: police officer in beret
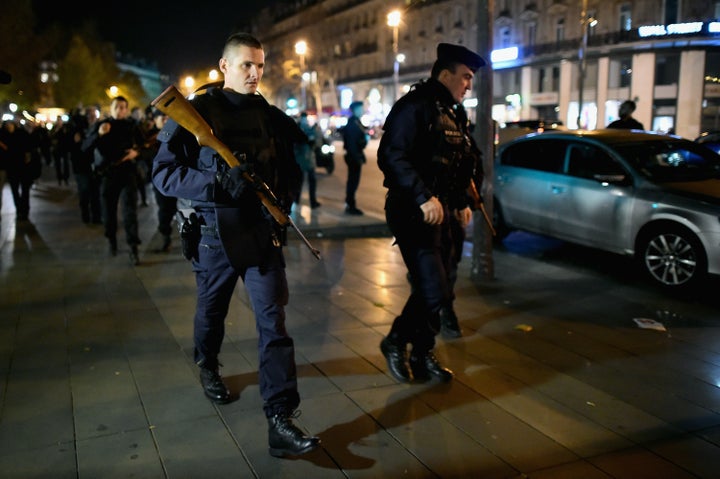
{"points": [[239, 238], [428, 159]]}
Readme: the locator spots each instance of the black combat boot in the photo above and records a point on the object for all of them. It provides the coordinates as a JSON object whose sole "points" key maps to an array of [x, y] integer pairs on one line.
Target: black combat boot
{"points": [[286, 439], [426, 366], [396, 356], [213, 386], [449, 327]]}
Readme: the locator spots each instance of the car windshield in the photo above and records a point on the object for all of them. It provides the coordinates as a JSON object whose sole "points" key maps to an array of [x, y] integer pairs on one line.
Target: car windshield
{"points": [[667, 161]]}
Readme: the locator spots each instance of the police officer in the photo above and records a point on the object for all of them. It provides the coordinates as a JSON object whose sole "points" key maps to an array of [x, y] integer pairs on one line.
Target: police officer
{"points": [[239, 237], [116, 142], [428, 158]]}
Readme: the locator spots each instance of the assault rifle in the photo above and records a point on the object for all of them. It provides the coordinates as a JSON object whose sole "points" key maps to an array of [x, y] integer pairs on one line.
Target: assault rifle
{"points": [[176, 106]]}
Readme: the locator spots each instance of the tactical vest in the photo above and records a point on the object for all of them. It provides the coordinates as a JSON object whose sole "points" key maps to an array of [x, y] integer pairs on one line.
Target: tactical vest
{"points": [[454, 159], [245, 128]]}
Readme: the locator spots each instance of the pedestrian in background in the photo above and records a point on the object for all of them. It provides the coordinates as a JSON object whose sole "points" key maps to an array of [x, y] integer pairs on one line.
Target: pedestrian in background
{"points": [[305, 157], [429, 159], [626, 120], [115, 143], [355, 139], [15, 151], [238, 237], [61, 138], [88, 184], [166, 205]]}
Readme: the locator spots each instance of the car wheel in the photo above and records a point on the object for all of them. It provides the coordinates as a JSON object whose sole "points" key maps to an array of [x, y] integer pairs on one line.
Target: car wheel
{"points": [[501, 228], [673, 257]]}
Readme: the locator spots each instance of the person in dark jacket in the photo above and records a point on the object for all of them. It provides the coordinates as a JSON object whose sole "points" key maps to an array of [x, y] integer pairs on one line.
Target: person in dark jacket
{"points": [[626, 120], [115, 143], [88, 184], [166, 205], [239, 238], [429, 159], [355, 139], [19, 164]]}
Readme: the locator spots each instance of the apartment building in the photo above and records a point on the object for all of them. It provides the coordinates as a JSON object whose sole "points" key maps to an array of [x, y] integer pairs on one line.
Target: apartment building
{"points": [[569, 60]]}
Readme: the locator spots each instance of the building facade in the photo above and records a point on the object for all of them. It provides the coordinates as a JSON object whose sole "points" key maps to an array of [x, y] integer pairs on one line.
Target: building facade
{"points": [[569, 60]]}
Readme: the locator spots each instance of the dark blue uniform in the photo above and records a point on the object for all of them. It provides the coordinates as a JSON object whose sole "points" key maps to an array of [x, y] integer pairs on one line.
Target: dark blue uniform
{"points": [[239, 239], [426, 151], [118, 183]]}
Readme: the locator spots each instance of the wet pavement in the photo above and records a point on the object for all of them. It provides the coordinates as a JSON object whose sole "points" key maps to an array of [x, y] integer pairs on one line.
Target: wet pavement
{"points": [[554, 377]]}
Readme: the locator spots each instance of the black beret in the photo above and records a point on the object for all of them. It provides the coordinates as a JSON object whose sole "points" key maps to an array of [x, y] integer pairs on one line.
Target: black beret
{"points": [[449, 53]]}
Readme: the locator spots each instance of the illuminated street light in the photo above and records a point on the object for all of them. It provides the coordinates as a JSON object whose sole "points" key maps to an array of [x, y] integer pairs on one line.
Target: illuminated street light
{"points": [[301, 48], [114, 91], [393, 21], [213, 75]]}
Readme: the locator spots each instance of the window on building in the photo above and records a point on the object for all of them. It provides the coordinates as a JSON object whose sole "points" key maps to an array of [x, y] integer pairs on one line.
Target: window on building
{"points": [[671, 11], [439, 22], [560, 30], [620, 73], [530, 33], [667, 69], [541, 81], [505, 36], [458, 17], [556, 78], [625, 17], [710, 120]]}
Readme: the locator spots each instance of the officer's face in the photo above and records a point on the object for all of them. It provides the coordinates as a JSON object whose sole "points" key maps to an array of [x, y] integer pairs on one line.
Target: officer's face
{"points": [[243, 68], [119, 109], [458, 82]]}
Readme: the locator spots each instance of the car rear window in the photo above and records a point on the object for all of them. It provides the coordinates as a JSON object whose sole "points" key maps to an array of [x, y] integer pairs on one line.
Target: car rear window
{"points": [[672, 161], [539, 154]]}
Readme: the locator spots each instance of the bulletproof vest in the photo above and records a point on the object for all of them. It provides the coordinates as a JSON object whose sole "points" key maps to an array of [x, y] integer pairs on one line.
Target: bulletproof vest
{"points": [[245, 128], [452, 160]]}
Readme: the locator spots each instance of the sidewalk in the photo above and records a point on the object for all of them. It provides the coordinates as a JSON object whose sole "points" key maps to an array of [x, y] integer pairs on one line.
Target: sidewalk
{"points": [[553, 378]]}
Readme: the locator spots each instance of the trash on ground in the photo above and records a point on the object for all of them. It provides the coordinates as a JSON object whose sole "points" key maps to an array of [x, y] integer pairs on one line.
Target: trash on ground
{"points": [[646, 323]]}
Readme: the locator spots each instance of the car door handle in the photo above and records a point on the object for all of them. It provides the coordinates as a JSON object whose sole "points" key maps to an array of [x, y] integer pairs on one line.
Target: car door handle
{"points": [[556, 190]]}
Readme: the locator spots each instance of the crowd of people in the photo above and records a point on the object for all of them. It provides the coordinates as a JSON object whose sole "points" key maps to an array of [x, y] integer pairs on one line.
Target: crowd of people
{"points": [[90, 148]]}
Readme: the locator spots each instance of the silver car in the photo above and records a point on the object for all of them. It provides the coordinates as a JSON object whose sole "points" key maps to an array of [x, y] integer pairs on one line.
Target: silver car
{"points": [[652, 196]]}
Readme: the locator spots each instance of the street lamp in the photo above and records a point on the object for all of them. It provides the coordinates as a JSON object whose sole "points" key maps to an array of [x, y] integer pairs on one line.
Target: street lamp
{"points": [[301, 49], [393, 21]]}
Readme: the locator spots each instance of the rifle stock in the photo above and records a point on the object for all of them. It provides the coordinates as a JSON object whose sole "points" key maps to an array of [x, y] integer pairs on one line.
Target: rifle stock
{"points": [[176, 106]]}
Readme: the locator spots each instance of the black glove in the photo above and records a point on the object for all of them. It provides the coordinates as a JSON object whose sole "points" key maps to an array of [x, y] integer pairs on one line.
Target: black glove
{"points": [[233, 181]]}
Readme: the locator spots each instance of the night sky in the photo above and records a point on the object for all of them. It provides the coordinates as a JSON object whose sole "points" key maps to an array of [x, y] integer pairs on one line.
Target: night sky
{"points": [[183, 36]]}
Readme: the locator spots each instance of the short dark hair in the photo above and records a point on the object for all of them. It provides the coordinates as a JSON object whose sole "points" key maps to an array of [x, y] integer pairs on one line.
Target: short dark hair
{"points": [[627, 108], [120, 98], [241, 38]]}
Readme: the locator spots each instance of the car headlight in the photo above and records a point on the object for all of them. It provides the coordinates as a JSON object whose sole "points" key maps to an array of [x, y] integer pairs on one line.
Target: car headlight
{"points": [[325, 149]]}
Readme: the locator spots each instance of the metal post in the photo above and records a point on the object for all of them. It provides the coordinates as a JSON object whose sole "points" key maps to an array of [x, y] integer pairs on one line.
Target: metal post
{"points": [[582, 64], [396, 64], [303, 87]]}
